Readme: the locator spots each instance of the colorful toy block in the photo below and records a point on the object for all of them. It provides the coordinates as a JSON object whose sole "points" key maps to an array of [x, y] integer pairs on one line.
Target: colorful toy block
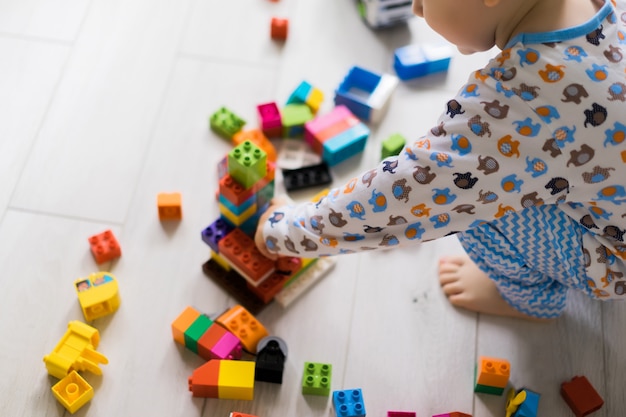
{"points": [[243, 325], [349, 403], [104, 247], [170, 206], [195, 331], [581, 396], [234, 285], [236, 209], [345, 145], [413, 61], [270, 120], [317, 270], [305, 93], [384, 13], [98, 295], [237, 414], [237, 219], [225, 379], [182, 323], [306, 177], [221, 261], [270, 286], [247, 164], [366, 93], [492, 375], [393, 145], [270, 360], [453, 414], [523, 403], [219, 343], [317, 378], [279, 29], [216, 232], [72, 392], [257, 137], [401, 414], [237, 194], [76, 351], [240, 250], [226, 123], [294, 116]]}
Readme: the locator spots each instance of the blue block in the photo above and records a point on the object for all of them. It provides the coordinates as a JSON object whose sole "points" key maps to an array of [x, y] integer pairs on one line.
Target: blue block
{"points": [[415, 61], [355, 91], [237, 210], [346, 144], [530, 405], [349, 403], [215, 232], [300, 94]]}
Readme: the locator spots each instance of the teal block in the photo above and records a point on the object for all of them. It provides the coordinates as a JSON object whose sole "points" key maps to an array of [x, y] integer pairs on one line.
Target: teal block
{"points": [[247, 164], [300, 94], [393, 145], [240, 209], [294, 116], [226, 123], [346, 144], [316, 378]]}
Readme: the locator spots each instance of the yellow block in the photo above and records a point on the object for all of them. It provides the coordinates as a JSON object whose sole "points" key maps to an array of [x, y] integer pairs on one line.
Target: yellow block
{"points": [[314, 99], [221, 261], [240, 219], [72, 392], [236, 380], [98, 295]]}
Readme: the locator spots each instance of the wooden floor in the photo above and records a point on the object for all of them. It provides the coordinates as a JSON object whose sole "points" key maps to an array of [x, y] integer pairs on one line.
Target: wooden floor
{"points": [[104, 104]]}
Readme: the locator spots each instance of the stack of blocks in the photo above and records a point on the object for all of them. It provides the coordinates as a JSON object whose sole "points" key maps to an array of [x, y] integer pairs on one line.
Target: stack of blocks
{"points": [[492, 375]]}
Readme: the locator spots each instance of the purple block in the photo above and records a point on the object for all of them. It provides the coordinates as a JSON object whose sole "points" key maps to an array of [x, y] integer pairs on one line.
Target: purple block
{"points": [[215, 232]]}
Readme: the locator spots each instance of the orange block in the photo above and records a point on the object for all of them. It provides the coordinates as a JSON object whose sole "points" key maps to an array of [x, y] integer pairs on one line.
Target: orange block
{"points": [[204, 382], [493, 372], [280, 27], [243, 325], [170, 206], [257, 137], [182, 323]]}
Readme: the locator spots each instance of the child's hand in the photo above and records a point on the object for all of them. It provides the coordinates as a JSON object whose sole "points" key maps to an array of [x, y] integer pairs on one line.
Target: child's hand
{"points": [[276, 204]]}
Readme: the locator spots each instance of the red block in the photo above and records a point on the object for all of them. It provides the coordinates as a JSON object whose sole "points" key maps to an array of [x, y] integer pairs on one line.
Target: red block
{"points": [[581, 396], [104, 247], [280, 27], [241, 252], [205, 380]]}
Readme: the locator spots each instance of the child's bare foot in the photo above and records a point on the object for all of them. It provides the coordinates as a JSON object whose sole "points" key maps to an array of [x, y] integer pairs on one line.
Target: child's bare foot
{"points": [[468, 287]]}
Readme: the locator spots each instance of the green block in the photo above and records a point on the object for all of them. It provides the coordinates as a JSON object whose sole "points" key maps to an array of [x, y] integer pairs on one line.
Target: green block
{"points": [[393, 145], [486, 389], [316, 378], [247, 164], [225, 123], [195, 332], [294, 116]]}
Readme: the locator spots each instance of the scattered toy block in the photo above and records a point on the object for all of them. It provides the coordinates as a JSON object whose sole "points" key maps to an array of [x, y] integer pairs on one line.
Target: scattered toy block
{"points": [[581, 396], [366, 93], [218, 343], [393, 145], [257, 137], [345, 145], [226, 123], [349, 403], [104, 247], [170, 206], [240, 250], [72, 391], [523, 403], [243, 325], [492, 375], [294, 116], [76, 351], [235, 413], [307, 177], [305, 93], [204, 381], [279, 29], [413, 61], [216, 232], [317, 378], [194, 332], [98, 295], [182, 323], [270, 360], [270, 120]]}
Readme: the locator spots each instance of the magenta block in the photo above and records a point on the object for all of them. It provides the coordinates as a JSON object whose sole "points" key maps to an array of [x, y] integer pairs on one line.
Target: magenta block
{"points": [[401, 414], [228, 347], [270, 120]]}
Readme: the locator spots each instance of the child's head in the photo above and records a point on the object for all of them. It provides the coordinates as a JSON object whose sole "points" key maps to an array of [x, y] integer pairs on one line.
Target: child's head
{"points": [[472, 25]]}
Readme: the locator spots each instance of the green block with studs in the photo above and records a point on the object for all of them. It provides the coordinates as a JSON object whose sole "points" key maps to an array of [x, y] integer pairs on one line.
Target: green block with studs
{"points": [[195, 331], [393, 145], [226, 123], [316, 378], [294, 116], [247, 164]]}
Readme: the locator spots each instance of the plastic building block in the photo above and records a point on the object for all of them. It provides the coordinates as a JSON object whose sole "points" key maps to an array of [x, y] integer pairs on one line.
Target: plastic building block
{"points": [[270, 286], [72, 392], [237, 194], [238, 414], [323, 127], [317, 378], [401, 414], [76, 351], [303, 281], [195, 331], [98, 295], [294, 116], [226, 123], [220, 261], [239, 249], [270, 360], [237, 219], [216, 232], [581, 396], [366, 93], [305, 93], [104, 247], [393, 145], [306, 177], [270, 120], [243, 325], [247, 163], [523, 403], [294, 154], [279, 29], [257, 137], [453, 414], [225, 379], [219, 343], [349, 403], [384, 13], [492, 375], [415, 61], [182, 323], [170, 206], [345, 145]]}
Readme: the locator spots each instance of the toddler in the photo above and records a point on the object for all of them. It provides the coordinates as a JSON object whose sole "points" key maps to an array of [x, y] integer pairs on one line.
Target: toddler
{"points": [[527, 164]]}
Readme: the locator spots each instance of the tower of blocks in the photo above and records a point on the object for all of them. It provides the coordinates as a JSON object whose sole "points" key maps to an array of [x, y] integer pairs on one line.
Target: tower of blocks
{"points": [[492, 375]]}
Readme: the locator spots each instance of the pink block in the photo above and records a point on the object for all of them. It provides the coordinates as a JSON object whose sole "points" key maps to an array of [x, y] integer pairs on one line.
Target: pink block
{"points": [[269, 119], [228, 347], [320, 123], [400, 414]]}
